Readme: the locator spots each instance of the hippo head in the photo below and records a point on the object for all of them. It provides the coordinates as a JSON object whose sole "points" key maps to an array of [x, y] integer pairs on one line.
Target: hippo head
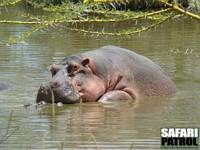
{"points": [[72, 81], [60, 85]]}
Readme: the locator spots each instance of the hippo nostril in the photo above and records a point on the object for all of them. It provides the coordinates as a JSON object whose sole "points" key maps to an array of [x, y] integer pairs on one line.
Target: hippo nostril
{"points": [[42, 88], [54, 84]]}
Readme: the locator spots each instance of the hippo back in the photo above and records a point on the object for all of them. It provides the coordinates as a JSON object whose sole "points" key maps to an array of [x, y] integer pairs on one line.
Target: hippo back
{"points": [[140, 71]]}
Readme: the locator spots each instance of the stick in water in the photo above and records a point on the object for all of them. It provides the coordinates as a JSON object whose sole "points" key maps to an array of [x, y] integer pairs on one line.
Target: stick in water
{"points": [[53, 103]]}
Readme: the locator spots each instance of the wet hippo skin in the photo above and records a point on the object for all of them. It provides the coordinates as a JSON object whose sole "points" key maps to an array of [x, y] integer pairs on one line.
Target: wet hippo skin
{"points": [[107, 73]]}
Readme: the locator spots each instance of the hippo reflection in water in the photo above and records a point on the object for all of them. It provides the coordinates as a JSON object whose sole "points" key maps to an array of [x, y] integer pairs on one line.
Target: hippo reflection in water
{"points": [[107, 73]]}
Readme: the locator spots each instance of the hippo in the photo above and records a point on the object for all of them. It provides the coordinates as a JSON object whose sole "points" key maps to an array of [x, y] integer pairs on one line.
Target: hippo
{"points": [[107, 73], [3, 86]]}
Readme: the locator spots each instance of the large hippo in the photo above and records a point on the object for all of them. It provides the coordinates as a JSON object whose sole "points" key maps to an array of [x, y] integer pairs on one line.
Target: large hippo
{"points": [[107, 73]]}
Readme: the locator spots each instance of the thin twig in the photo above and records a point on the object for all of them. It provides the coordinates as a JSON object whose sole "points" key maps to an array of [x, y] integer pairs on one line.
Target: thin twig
{"points": [[119, 33], [94, 140], [177, 8], [87, 20], [7, 135], [53, 103]]}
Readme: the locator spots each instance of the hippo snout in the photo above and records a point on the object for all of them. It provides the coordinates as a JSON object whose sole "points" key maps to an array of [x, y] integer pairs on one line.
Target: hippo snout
{"points": [[63, 94], [44, 94]]}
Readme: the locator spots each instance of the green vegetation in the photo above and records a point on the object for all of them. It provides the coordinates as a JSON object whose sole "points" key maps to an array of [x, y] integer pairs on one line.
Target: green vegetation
{"points": [[100, 17], [4, 3]]}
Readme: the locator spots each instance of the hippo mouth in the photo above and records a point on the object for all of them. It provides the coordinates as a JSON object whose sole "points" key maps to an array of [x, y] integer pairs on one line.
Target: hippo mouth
{"points": [[65, 95]]}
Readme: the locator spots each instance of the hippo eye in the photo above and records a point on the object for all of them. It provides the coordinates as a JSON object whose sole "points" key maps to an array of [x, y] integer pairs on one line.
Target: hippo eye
{"points": [[75, 67], [72, 68]]}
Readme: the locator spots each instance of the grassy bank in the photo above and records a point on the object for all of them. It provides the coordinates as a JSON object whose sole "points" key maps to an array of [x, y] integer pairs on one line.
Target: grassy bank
{"points": [[101, 17]]}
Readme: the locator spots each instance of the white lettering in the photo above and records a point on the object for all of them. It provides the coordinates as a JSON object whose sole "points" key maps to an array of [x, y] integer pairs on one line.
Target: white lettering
{"points": [[179, 132], [183, 133], [171, 132], [196, 132], [164, 132], [190, 132]]}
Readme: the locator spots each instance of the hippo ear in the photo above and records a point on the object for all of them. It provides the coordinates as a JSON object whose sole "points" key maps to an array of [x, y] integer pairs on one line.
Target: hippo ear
{"points": [[53, 69], [89, 63], [85, 61]]}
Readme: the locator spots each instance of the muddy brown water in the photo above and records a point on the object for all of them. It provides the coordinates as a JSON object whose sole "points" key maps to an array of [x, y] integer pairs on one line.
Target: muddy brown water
{"points": [[174, 45]]}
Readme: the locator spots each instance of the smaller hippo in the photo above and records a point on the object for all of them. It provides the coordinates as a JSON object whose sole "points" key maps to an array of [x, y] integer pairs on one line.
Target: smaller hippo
{"points": [[3, 86], [107, 73]]}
